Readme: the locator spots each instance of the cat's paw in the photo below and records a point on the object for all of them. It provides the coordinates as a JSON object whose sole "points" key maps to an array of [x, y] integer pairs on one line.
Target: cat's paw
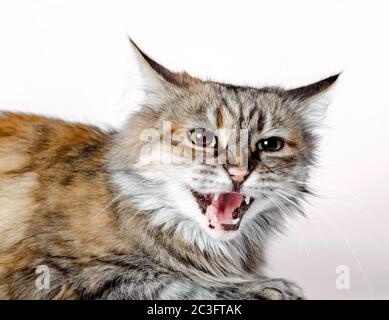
{"points": [[277, 289]]}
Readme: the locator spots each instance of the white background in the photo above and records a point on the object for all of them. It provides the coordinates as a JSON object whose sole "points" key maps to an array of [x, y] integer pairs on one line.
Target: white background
{"points": [[71, 59]]}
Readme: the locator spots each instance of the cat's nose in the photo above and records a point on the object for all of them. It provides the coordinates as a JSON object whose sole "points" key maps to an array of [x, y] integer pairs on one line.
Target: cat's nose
{"points": [[237, 174]]}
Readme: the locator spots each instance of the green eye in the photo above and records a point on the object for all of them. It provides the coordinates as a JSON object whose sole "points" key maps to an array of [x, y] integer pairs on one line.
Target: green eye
{"points": [[271, 144], [202, 137]]}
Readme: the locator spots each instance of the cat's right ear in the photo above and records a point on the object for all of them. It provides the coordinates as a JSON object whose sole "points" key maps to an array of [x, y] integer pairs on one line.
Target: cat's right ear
{"points": [[150, 80], [156, 81]]}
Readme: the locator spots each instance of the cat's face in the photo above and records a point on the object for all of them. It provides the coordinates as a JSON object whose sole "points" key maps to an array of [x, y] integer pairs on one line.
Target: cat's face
{"points": [[222, 157]]}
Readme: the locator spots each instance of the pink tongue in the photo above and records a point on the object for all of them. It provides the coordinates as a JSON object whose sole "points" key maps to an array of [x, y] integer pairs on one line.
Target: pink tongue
{"points": [[222, 209]]}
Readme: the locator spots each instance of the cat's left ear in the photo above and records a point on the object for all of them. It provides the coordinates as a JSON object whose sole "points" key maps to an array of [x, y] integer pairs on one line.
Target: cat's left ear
{"points": [[314, 99]]}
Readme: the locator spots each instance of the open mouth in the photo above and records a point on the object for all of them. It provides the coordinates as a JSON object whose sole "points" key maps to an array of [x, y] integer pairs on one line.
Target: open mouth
{"points": [[223, 211]]}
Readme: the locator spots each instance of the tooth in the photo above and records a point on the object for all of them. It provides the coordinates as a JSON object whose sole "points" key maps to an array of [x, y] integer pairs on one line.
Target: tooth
{"points": [[232, 221], [247, 199], [216, 196]]}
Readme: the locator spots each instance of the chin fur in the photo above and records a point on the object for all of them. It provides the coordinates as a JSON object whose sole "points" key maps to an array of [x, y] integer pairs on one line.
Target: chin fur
{"points": [[183, 218]]}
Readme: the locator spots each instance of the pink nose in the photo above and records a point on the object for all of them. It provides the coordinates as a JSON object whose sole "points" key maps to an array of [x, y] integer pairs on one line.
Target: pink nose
{"points": [[237, 174]]}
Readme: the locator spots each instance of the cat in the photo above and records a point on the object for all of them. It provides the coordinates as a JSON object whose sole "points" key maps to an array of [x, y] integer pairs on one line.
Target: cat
{"points": [[88, 213]]}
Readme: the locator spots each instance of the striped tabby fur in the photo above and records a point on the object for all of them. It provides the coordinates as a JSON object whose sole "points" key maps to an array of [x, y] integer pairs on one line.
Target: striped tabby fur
{"points": [[82, 201]]}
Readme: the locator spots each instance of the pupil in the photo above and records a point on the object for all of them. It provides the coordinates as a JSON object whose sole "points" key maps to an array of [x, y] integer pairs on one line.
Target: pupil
{"points": [[201, 138], [271, 144]]}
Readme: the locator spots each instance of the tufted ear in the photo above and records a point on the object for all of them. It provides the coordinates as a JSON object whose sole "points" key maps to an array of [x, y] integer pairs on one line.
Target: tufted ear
{"points": [[150, 81], [312, 90], [314, 98], [155, 77]]}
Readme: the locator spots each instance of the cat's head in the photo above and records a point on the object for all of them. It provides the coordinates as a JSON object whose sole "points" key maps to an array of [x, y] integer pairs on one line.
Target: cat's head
{"points": [[215, 160]]}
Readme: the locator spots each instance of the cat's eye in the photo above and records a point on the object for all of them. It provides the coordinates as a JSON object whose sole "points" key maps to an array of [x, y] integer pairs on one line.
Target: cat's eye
{"points": [[202, 137], [271, 144]]}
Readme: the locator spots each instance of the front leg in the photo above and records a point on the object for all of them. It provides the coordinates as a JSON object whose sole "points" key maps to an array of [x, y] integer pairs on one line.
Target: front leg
{"points": [[272, 289], [166, 286], [154, 284]]}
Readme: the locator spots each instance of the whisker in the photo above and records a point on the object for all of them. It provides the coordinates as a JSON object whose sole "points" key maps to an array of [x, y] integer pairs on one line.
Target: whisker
{"points": [[291, 202], [279, 205]]}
